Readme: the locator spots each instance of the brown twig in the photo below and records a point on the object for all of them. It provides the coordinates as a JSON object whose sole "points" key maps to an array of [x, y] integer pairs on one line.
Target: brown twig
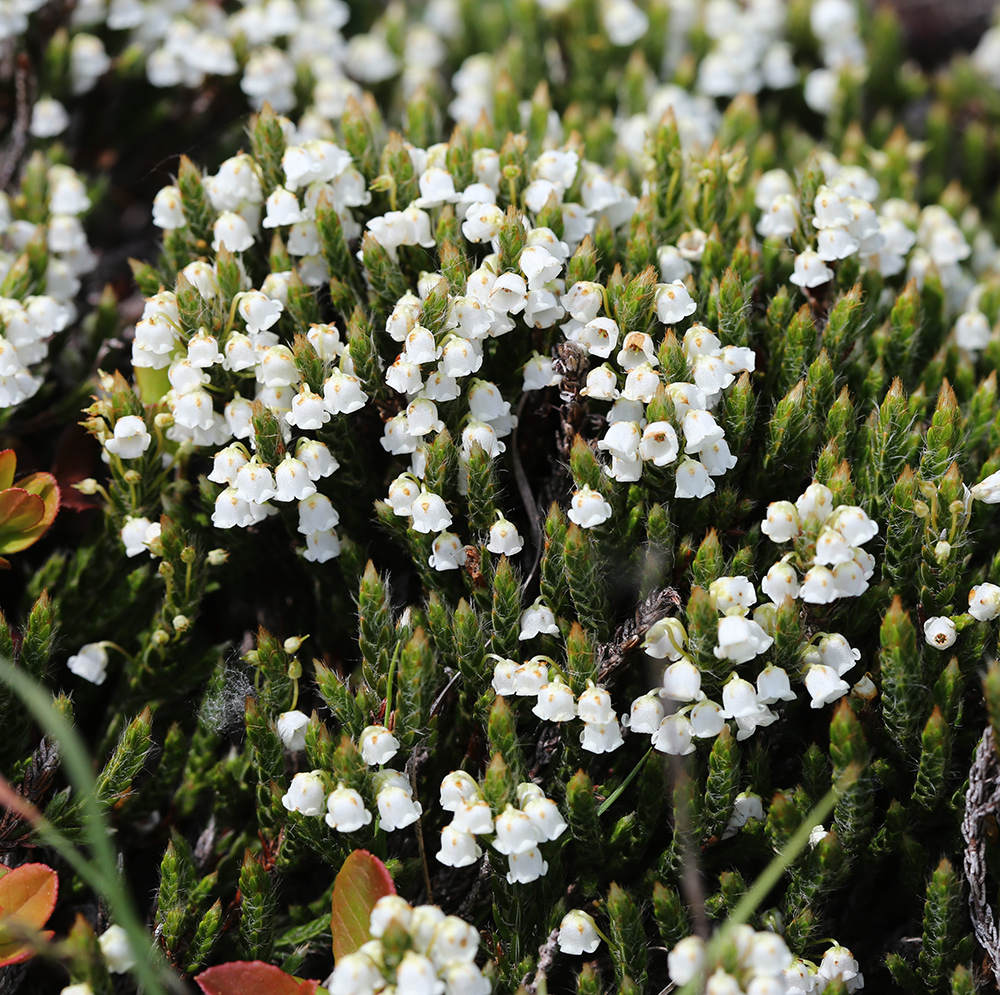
{"points": [[24, 98], [546, 958], [982, 804], [610, 656]]}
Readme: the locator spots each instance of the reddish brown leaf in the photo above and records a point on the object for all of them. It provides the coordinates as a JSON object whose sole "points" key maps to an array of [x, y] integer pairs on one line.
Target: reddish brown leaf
{"points": [[27, 898], [19, 510], [252, 977], [361, 882]]}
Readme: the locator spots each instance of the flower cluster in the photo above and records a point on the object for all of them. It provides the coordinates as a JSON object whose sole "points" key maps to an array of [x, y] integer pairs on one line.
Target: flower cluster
{"points": [[835, 26], [631, 440], [827, 551], [556, 702], [518, 831], [758, 963], [56, 244], [749, 51], [414, 949], [345, 807], [740, 639]]}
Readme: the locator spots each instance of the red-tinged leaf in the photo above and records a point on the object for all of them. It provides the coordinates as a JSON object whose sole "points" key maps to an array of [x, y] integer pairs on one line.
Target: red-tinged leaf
{"points": [[27, 898], [8, 464], [45, 486], [362, 881], [19, 510], [252, 977]]}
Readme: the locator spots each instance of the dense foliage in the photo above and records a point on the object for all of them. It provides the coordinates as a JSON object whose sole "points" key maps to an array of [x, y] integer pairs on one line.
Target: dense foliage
{"points": [[549, 447]]}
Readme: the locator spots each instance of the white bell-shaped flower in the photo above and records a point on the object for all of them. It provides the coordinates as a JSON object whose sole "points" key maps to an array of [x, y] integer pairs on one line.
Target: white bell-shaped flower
{"points": [[292, 481], [505, 677], [555, 702], [780, 582], [601, 737], [308, 412], [851, 578], [687, 960], [682, 681], [316, 514], [321, 546], [529, 677], [389, 909], [131, 439], [782, 521], [853, 524], [545, 814], [739, 698], [972, 330], [740, 639], [255, 482], [984, 602], [292, 730], [810, 270], [394, 798], [306, 794], [417, 974], [458, 848], [673, 302], [940, 632], [773, 685], [116, 949], [345, 810], [342, 393], [516, 832], [588, 508], [666, 639], [692, 479], [231, 232], [504, 538], [90, 662], [659, 444], [732, 595], [839, 962], [526, 866], [578, 933], [447, 552], [645, 714], [599, 337], [674, 736], [378, 745], [474, 816], [354, 974], [835, 651], [819, 586], [457, 789], [824, 685], [429, 512], [706, 719]]}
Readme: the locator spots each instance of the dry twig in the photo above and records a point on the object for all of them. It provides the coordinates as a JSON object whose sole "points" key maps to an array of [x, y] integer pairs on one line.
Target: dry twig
{"points": [[982, 805]]}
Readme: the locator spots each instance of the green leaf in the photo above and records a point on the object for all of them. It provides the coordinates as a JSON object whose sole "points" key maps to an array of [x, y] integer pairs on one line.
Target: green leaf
{"points": [[27, 898], [8, 464], [252, 977], [361, 882]]}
